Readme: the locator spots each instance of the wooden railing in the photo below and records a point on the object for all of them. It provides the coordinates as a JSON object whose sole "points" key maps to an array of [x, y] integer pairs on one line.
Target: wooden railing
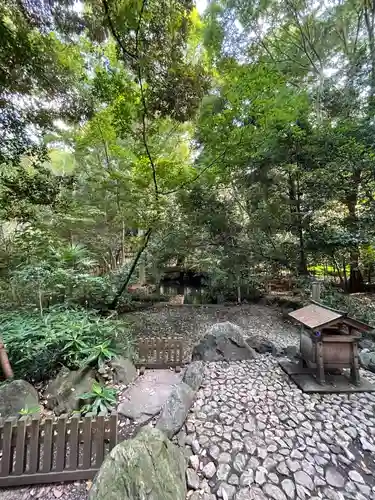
{"points": [[160, 353], [66, 449]]}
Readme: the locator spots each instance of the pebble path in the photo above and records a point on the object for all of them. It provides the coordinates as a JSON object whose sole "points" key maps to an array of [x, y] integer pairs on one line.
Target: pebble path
{"points": [[253, 434]]}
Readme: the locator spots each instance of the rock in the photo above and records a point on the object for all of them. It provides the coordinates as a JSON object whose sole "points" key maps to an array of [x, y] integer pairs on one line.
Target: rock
{"points": [[334, 478], [226, 491], [289, 488], [192, 479], [194, 461], [148, 467], [366, 445], [173, 413], [193, 375], [223, 342], [273, 492], [303, 479], [209, 470], [62, 394], [260, 475], [356, 477], [367, 360], [145, 398], [291, 351], [262, 345], [366, 344], [16, 395], [124, 372], [222, 472]]}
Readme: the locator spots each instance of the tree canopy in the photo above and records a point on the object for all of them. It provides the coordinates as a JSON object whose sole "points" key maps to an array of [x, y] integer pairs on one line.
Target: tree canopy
{"points": [[236, 141]]}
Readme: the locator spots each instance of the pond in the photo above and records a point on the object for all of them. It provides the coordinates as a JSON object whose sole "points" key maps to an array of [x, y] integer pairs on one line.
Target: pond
{"points": [[192, 294]]}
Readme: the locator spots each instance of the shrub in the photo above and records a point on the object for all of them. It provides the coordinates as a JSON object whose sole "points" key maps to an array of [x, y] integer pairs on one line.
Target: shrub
{"points": [[38, 345]]}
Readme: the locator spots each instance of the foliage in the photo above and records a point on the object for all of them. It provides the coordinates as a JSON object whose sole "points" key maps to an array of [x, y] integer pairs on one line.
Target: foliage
{"points": [[101, 399], [38, 345], [29, 411]]}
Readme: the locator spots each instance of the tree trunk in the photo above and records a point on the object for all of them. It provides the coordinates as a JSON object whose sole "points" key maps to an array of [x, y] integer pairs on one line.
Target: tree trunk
{"points": [[295, 209], [355, 283], [133, 267]]}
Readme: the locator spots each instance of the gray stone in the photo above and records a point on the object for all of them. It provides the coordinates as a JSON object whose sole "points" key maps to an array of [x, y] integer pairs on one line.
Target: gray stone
{"points": [[175, 409], [145, 398], [223, 342], [225, 457], [233, 479], [214, 451], [15, 396], [366, 445], [62, 394], [274, 492], [260, 475], [192, 479], [247, 478], [293, 465], [194, 462], [148, 467], [124, 372], [356, 477], [289, 488], [239, 463], [222, 472], [334, 478], [209, 470], [226, 491], [282, 468], [193, 375], [303, 479]]}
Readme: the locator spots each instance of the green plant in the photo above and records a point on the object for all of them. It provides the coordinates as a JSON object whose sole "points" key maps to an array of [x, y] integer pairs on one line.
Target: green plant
{"points": [[38, 345], [29, 411], [101, 353], [101, 399]]}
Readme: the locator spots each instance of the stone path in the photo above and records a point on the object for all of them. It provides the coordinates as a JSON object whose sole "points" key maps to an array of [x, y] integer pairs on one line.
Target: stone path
{"points": [[252, 434]]}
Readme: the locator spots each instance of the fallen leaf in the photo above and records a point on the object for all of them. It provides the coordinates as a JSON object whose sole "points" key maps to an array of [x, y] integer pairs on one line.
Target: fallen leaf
{"points": [[88, 485]]}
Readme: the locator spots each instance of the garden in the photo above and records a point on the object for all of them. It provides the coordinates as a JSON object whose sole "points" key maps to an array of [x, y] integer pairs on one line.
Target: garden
{"points": [[167, 165]]}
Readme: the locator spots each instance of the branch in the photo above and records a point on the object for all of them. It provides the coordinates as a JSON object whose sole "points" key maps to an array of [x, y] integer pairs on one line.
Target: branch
{"points": [[136, 58], [114, 33]]}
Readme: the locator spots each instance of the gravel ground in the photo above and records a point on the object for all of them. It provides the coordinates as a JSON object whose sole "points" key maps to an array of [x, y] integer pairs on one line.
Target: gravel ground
{"points": [[252, 434], [190, 323]]}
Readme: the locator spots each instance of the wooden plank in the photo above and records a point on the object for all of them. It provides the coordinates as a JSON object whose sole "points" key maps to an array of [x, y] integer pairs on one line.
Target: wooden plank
{"points": [[19, 467], [34, 445], [47, 445], [87, 423], [61, 443], [52, 477], [7, 458], [73, 442], [113, 430], [99, 440]]}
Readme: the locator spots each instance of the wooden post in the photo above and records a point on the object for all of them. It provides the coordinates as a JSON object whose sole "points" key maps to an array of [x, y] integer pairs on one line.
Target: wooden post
{"points": [[315, 291]]}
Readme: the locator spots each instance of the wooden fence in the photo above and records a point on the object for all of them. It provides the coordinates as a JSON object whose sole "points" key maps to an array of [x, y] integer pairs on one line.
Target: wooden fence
{"points": [[160, 353], [67, 449]]}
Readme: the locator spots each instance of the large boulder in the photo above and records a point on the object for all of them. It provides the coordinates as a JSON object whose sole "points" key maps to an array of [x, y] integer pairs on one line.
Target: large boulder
{"points": [[262, 345], [193, 375], [173, 413], [148, 467], [62, 394], [367, 360], [223, 342], [15, 396], [124, 372]]}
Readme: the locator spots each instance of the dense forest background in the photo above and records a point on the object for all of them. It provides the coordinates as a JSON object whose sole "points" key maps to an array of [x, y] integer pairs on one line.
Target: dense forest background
{"points": [[137, 134]]}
